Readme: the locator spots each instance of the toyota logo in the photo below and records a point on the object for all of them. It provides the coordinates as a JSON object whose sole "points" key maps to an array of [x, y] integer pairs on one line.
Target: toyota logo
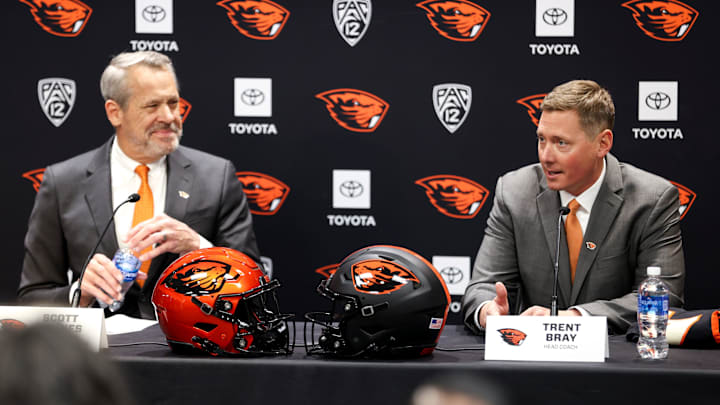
{"points": [[252, 97], [351, 188], [657, 100], [153, 14], [554, 16], [452, 275]]}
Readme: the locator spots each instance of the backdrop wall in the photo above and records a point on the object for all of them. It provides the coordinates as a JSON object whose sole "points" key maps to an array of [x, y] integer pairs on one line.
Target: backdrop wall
{"points": [[354, 122]]}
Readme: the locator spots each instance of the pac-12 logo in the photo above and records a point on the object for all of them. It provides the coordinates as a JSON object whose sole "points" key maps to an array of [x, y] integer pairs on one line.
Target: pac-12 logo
{"points": [[256, 19], [57, 97], [664, 20], [458, 20], [687, 198], [454, 196], [352, 19], [533, 104], [64, 18], [452, 103], [265, 194], [380, 276], [513, 337], [355, 110]]}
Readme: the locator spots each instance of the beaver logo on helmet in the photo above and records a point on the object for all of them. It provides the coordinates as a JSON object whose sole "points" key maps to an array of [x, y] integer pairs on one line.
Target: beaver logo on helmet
{"points": [[36, 177], [512, 337], [459, 20], [265, 194], [256, 19], [533, 104], [687, 198], [454, 196], [199, 278], [355, 110], [380, 276], [64, 18], [664, 20]]}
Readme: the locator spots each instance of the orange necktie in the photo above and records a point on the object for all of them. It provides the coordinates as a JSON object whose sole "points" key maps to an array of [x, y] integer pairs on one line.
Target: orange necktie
{"points": [[143, 209], [574, 236]]}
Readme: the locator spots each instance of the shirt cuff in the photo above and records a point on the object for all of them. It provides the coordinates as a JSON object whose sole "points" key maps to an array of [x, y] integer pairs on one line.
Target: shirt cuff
{"points": [[582, 311], [204, 243], [476, 317]]}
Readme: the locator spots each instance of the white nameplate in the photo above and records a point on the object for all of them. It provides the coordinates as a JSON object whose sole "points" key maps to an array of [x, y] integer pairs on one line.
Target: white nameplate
{"points": [[546, 338], [88, 323]]}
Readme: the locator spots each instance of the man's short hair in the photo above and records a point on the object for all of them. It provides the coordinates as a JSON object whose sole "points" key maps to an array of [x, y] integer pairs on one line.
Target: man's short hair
{"points": [[591, 101], [113, 82]]}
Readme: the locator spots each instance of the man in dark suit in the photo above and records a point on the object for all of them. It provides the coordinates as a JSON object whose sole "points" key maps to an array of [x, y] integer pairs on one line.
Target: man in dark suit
{"points": [[195, 199], [622, 220]]}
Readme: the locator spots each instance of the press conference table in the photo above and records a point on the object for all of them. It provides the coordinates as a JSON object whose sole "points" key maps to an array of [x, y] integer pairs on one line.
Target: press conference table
{"points": [[160, 376]]}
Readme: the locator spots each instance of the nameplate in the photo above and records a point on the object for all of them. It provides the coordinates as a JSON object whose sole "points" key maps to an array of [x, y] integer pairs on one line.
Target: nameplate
{"points": [[546, 338], [87, 323]]}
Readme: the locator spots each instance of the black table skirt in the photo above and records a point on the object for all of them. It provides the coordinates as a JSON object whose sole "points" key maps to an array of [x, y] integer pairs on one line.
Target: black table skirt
{"points": [[159, 376]]}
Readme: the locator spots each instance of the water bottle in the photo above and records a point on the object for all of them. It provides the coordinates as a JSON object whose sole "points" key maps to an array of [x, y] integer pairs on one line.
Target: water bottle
{"points": [[652, 315], [128, 264]]}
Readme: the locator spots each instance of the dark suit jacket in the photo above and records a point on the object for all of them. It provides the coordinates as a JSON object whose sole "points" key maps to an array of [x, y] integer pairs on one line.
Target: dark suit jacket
{"points": [[634, 223], [74, 204]]}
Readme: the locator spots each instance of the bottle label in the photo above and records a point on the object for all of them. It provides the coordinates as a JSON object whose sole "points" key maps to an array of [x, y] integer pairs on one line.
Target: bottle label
{"points": [[657, 306]]}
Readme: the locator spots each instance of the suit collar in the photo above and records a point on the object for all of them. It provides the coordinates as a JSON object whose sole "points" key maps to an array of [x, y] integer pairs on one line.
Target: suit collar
{"points": [[98, 196]]}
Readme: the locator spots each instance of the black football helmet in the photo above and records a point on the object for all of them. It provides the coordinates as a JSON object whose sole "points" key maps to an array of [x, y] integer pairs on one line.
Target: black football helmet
{"points": [[387, 301]]}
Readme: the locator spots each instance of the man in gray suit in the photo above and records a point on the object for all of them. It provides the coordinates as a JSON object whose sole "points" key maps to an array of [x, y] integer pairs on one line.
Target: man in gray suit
{"points": [[627, 219], [197, 199]]}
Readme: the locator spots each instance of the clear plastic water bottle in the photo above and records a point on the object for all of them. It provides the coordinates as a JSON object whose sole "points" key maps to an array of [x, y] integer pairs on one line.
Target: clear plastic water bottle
{"points": [[128, 264], [652, 315]]}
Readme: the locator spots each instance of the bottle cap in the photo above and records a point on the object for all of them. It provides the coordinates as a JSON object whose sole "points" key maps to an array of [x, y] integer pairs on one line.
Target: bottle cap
{"points": [[653, 271]]}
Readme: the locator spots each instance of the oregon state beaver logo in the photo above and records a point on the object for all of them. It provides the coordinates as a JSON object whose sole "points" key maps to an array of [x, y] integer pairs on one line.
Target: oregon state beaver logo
{"points": [[454, 196], [11, 324], [185, 108], [664, 20], [265, 194], [533, 104], [512, 337], [380, 276], [355, 110], [687, 198], [200, 278], [64, 18], [459, 20], [327, 271], [257, 19], [36, 177]]}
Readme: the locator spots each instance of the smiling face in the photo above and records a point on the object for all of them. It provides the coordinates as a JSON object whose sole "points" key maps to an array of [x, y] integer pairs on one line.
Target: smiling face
{"points": [[149, 126], [571, 160]]}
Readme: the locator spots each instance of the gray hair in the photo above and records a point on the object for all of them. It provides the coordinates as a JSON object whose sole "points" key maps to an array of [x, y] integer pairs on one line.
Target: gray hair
{"points": [[113, 82]]}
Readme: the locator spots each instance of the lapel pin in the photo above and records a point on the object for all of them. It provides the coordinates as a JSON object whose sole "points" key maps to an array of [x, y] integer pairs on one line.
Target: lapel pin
{"points": [[183, 194], [590, 245]]}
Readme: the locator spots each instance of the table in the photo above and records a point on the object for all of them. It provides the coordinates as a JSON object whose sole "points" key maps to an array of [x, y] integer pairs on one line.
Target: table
{"points": [[162, 377]]}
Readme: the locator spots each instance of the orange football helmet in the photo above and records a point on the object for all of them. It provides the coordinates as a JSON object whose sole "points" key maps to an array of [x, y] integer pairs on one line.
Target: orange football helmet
{"points": [[219, 301]]}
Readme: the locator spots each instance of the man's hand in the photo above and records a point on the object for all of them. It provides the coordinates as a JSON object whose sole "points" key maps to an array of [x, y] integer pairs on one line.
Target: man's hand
{"points": [[102, 281], [498, 306], [542, 311], [165, 234]]}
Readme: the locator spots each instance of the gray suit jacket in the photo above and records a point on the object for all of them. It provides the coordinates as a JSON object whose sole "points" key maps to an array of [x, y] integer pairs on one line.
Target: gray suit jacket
{"points": [[634, 223], [74, 204]]}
